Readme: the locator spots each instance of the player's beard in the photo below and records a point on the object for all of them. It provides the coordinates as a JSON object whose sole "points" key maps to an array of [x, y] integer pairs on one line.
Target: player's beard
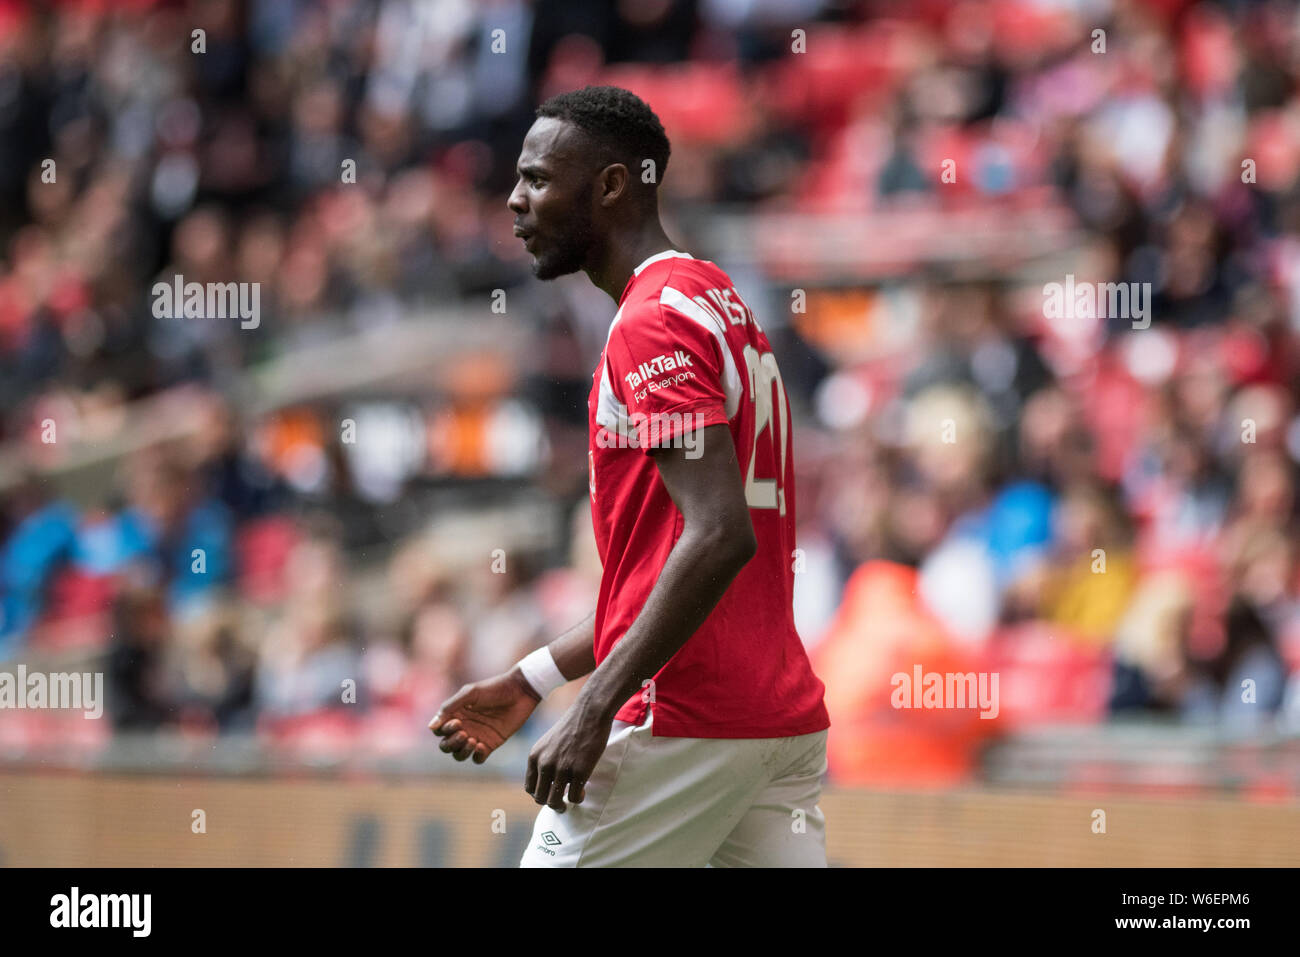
{"points": [[573, 238]]}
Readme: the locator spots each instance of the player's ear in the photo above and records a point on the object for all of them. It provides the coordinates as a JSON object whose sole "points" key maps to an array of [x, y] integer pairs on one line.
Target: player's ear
{"points": [[613, 183]]}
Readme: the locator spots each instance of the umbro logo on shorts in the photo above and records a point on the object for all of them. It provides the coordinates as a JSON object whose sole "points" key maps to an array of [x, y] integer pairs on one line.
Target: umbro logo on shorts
{"points": [[548, 837]]}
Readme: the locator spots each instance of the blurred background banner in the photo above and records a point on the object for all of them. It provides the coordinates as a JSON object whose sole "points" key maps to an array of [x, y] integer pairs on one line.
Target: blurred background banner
{"points": [[116, 821], [1032, 272]]}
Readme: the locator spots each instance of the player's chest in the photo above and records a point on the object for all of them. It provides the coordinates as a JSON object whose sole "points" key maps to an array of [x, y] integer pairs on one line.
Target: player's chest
{"points": [[616, 467]]}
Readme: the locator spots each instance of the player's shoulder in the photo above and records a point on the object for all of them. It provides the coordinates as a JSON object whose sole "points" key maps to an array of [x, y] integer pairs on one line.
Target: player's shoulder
{"points": [[676, 283]]}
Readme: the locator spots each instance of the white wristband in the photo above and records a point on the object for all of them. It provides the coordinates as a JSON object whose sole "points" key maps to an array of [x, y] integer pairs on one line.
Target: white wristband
{"points": [[540, 671]]}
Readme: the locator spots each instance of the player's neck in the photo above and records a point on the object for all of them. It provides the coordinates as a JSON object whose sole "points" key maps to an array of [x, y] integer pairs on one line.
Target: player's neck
{"points": [[624, 253]]}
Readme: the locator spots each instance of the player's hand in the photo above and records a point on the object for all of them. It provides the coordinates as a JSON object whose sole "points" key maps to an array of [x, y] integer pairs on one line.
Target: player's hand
{"points": [[478, 718], [565, 757]]}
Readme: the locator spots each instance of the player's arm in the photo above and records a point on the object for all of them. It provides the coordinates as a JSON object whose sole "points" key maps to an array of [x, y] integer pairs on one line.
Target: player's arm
{"points": [[478, 718], [716, 542], [574, 652]]}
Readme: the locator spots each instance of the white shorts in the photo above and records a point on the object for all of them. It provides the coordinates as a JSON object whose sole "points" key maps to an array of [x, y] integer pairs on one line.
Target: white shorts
{"points": [[691, 802]]}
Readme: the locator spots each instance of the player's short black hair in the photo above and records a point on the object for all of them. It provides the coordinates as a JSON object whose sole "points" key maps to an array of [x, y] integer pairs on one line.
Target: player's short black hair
{"points": [[619, 122]]}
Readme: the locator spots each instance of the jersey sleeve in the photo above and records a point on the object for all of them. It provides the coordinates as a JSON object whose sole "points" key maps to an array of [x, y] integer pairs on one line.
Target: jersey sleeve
{"points": [[668, 370]]}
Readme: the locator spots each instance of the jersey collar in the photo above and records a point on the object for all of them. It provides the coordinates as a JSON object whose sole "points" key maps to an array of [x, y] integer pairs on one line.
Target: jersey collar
{"points": [[666, 254]]}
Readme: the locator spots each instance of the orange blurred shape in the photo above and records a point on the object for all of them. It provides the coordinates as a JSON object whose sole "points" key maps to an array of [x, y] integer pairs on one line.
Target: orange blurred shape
{"points": [[882, 630], [288, 433], [458, 440], [838, 321], [477, 377], [458, 433]]}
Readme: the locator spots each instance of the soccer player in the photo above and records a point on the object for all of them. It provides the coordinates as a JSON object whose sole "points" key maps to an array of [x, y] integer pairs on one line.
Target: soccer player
{"points": [[700, 737]]}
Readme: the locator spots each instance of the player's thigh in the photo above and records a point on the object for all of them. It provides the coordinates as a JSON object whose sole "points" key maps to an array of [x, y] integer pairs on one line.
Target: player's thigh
{"points": [[670, 803], [677, 800], [783, 827], [558, 839]]}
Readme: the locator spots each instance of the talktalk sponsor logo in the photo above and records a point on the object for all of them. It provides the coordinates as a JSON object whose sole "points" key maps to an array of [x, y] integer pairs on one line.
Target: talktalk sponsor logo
{"points": [[656, 367]]}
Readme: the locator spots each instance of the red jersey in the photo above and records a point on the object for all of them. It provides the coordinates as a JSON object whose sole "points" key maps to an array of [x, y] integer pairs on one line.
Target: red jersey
{"points": [[685, 352]]}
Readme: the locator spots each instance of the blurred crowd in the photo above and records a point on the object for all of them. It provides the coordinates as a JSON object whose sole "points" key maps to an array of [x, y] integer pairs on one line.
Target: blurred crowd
{"points": [[1105, 514]]}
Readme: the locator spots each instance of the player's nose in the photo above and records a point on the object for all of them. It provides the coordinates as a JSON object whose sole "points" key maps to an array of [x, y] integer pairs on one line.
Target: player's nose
{"points": [[517, 203]]}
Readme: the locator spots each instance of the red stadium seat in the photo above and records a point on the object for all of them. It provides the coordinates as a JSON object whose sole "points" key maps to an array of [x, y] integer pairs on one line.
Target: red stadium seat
{"points": [[74, 594], [78, 613], [263, 548], [1199, 564], [821, 87], [699, 102], [331, 733], [1046, 678]]}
